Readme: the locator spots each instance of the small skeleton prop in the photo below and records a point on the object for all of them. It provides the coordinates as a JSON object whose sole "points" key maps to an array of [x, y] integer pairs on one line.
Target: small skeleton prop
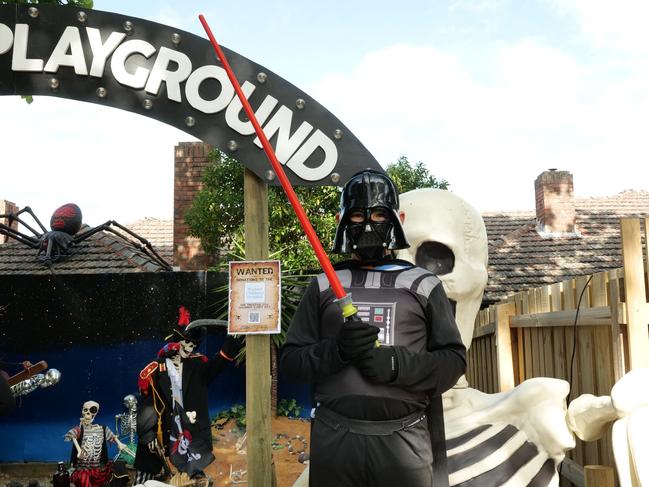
{"points": [[628, 409], [50, 378], [126, 422], [185, 348], [92, 436]]}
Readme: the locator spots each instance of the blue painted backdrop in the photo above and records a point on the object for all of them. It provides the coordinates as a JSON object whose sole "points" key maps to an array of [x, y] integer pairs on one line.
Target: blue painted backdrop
{"points": [[99, 332]]}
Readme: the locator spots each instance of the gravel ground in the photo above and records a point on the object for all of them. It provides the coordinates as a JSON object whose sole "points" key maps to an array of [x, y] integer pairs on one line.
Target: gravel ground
{"points": [[7, 480]]}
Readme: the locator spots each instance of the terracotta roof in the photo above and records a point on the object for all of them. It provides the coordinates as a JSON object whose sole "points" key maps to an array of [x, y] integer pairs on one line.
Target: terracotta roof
{"points": [[158, 232], [101, 253], [520, 258]]}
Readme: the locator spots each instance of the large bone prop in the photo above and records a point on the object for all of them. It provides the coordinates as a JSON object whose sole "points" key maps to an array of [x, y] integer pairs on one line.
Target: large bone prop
{"points": [[509, 438], [628, 409]]}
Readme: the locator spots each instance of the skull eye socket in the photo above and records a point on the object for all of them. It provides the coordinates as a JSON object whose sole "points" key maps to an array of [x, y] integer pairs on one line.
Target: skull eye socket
{"points": [[435, 257], [92, 410]]}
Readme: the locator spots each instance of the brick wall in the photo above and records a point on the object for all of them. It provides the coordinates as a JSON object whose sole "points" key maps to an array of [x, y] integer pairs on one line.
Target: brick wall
{"points": [[555, 206], [7, 207], [189, 161]]}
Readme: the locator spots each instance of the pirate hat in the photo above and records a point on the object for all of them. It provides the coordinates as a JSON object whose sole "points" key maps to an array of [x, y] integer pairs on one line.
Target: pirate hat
{"points": [[179, 331]]}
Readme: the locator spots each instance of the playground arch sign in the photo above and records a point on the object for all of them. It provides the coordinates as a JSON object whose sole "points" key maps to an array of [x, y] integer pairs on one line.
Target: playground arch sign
{"points": [[174, 77]]}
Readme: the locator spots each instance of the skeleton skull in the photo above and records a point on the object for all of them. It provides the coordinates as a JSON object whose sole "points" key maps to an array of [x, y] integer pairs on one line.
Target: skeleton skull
{"points": [[89, 411], [448, 237], [186, 348], [130, 402]]}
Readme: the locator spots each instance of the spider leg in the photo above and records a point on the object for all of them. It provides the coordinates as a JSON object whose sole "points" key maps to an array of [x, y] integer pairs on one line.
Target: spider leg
{"points": [[47, 258], [14, 216], [18, 236], [145, 246]]}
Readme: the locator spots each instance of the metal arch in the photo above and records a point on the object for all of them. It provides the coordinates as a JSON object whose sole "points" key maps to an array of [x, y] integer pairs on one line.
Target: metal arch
{"points": [[47, 23]]}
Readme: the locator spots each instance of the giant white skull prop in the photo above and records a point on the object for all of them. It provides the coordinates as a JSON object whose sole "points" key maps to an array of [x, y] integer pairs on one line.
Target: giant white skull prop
{"points": [[89, 411], [448, 237]]}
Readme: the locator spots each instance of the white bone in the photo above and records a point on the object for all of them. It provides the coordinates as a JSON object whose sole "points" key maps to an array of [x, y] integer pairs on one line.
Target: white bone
{"points": [[76, 445], [588, 416], [628, 408]]}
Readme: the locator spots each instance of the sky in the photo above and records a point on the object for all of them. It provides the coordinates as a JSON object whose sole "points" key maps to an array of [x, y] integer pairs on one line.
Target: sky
{"points": [[486, 93]]}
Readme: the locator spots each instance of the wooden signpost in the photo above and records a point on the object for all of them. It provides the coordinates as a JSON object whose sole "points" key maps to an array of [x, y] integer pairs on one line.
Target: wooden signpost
{"points": [[258, 411]]}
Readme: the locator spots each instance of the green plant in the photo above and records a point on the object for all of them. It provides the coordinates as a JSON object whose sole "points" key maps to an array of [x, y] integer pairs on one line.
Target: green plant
{"points": [[288, 408], [236, 412], [217, 212]]}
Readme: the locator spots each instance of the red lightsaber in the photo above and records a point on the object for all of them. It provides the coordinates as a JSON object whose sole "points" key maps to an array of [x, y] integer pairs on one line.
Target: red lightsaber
{"points": [[344, 299]]}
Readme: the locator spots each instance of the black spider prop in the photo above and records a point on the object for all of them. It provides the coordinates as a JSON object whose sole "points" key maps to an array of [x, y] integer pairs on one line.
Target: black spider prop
{"points": [[65, 232]]}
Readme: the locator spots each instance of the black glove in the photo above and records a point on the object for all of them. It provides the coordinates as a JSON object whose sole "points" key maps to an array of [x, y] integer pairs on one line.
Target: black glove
{"points": [[378, 365], [232, 346], [355, 338]]}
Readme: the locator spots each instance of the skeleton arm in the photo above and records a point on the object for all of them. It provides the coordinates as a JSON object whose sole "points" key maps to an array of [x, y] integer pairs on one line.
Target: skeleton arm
{"points": [[72, 436], [80, 452]]}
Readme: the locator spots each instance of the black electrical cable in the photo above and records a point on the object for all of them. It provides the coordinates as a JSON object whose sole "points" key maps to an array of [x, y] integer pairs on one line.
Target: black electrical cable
{"points": [[574, 333], [574, 344]]}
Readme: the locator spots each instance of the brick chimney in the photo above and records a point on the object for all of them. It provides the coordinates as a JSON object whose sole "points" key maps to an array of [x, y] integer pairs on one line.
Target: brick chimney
{"points": [[190, 160], [7, 207], [555, 205]]}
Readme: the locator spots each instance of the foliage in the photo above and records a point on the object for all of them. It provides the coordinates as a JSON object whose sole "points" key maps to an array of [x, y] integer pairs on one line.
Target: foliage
{"points": [[407, 178], [288, 408], [236, 412], [216, 216]]}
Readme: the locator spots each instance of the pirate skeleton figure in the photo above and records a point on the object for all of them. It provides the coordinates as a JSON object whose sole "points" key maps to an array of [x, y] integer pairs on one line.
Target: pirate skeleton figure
{"points": [[173, 421], [90, 451], [378, 415]]}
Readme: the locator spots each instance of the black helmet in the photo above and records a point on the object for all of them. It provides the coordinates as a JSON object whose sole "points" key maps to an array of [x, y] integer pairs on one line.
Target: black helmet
{"points": [[369, 190]]}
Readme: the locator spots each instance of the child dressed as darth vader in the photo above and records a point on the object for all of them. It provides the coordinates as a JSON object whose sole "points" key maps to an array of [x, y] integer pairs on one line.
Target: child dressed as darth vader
{"points": [[378, 408], [173, 423]]}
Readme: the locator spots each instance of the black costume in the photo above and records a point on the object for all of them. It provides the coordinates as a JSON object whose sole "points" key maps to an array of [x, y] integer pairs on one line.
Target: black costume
{"points": [[156, 411], [410, 307]]}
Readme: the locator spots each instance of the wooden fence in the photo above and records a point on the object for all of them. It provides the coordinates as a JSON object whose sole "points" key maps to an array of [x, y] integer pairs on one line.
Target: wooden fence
{"points": [[590, 331]]}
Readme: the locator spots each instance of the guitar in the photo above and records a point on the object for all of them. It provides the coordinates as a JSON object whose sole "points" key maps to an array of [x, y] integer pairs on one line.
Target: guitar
{"points": [[27, 373]]}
